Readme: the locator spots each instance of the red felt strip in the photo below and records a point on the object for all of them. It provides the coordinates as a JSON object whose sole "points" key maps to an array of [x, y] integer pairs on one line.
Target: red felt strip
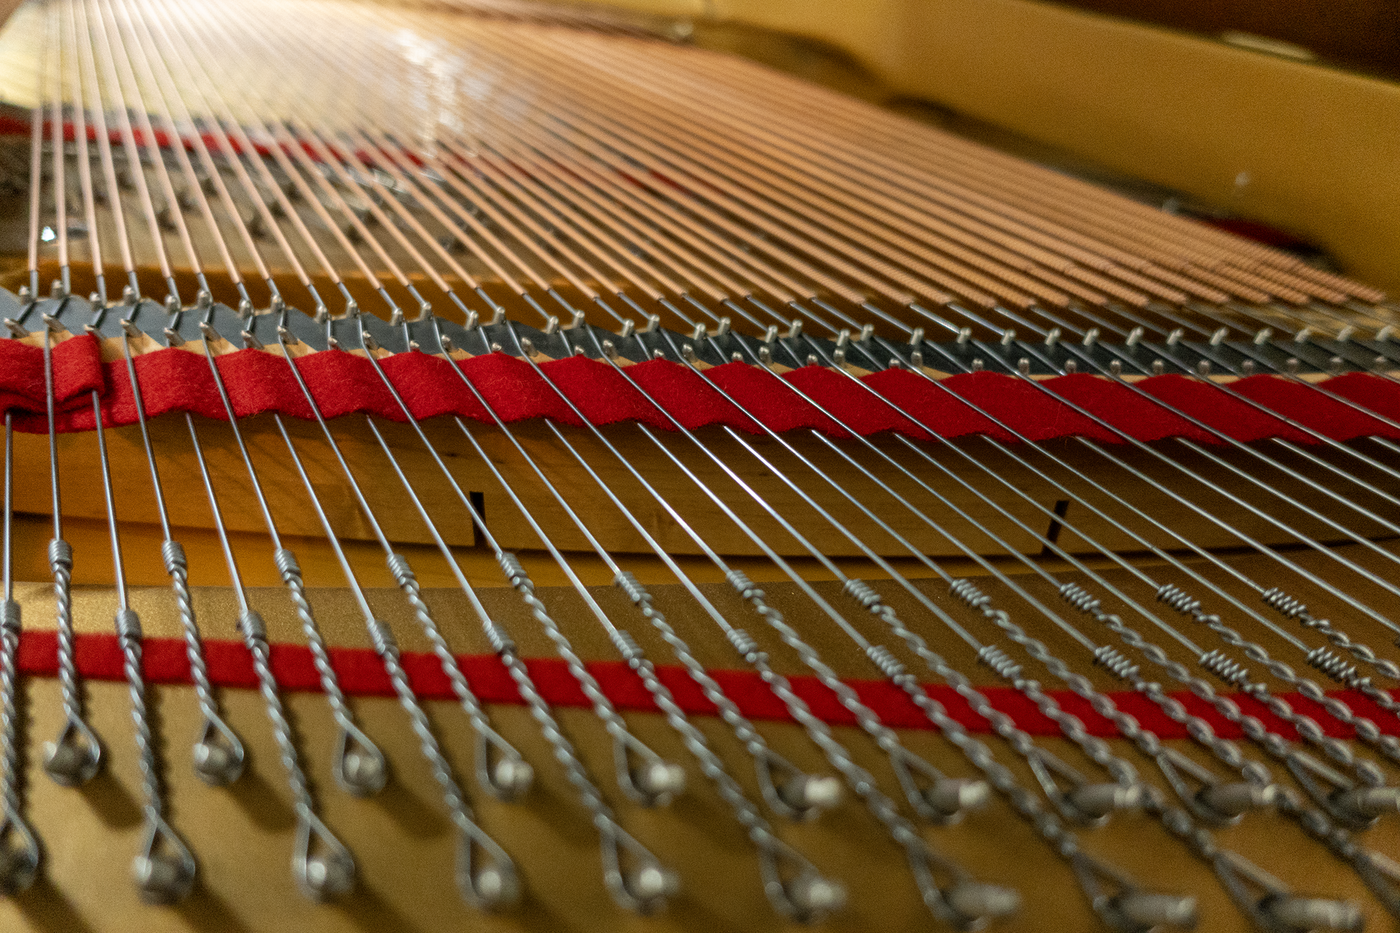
{"points": [[346, 383], [1315, 410], [100, 657], [1216, 409]]}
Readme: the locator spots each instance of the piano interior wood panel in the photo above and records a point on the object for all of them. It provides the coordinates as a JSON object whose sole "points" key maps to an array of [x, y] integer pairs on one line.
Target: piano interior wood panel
{"points": [[242, 836], [135, 500]]}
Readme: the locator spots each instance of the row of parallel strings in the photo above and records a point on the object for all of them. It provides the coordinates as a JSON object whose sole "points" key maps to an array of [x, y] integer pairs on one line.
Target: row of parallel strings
{"points": [[632, 178], [518, 153]]}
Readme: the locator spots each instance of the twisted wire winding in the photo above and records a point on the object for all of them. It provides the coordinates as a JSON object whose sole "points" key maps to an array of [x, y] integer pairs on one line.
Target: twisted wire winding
{"points": [[9, 711], [1236, 674], [177, 567], [1073, 728], [61, 565], [1115, 662], [1001, 663], [602, 706], [1317, 824], [1286, 606], [1334, 666], [1178, 599], [129, 636], [1274, 744], [255, 639], [1231, 672], [452, 797], [1366, 730], [848, 698], [742, 727], [408, 583], [861, 781], [760, 832], [290, 570], [563, 749], [758, 829], [1293, 608]]}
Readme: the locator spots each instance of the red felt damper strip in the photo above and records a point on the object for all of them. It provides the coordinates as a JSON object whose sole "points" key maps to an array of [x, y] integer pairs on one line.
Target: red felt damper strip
{"points": [[688, 397], [1379, 394], [361, 673], [601, 392], [934, 404], [346, 383], [1030, 412], [1313, 409], [854, 407], [77, 373], [1126, 409], [514, 390], [430, 386], [767, 398], [1217, 410]]}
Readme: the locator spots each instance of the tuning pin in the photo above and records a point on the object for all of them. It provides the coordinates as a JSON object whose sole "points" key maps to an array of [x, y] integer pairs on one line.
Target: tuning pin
{"points": [[75, 756], [1236, 799], [659, 779], [1144, 910], [20, 854], [982, 902], [218, 755], [956, 796], [165, 870], [1367, 803], [328, 873], [359, 768], [1097, 801]]}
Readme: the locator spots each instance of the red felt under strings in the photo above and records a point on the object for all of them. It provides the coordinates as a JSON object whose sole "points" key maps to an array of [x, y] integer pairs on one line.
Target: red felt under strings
{"points": [[173, 380], [734, 394], [360, 673]]}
